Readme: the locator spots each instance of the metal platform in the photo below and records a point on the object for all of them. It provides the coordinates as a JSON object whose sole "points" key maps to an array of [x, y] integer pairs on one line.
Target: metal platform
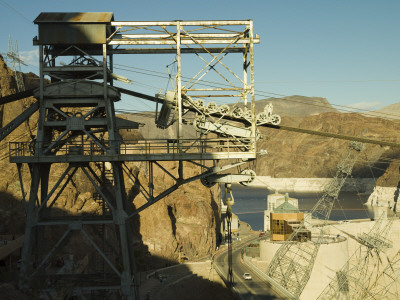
{"points": [[143, 150]]}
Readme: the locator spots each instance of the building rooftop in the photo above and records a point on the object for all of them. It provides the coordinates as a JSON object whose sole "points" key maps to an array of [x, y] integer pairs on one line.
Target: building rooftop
{"points": [[286, 207], [74, 17]]}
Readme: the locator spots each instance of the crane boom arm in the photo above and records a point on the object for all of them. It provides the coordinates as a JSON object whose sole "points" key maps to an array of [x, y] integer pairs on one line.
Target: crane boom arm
{"points": [[281, 127], [27, 93], [16, 96], [6, 130]]}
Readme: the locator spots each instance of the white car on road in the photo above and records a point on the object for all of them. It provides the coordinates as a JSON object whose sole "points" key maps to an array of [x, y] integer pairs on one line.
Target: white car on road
{"points": [[247, 276]]}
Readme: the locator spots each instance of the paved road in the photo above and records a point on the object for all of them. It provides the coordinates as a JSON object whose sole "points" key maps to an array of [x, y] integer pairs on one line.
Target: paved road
{"points": [[248, 289]]}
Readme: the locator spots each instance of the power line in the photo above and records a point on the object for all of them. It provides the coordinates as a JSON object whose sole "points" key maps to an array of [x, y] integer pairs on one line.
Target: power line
{"points": [[330, 81], [15, 10], [343, 108]]}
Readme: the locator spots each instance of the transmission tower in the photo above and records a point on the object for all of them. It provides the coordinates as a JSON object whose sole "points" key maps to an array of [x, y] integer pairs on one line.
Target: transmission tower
{"points": [[387, 284], [293, 262], [360, 276], [12, 56]]}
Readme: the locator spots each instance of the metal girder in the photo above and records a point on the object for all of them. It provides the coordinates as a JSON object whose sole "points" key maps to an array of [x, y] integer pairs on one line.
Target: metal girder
{"points": [[268, 125], [229, 178], [17, 157], [163, 36], [170, 50], [6, 130], [183, 42], [36, 215], [73, 69], [195, 35], [16, 96], [183, 23], [179, 181], [386, 285]]}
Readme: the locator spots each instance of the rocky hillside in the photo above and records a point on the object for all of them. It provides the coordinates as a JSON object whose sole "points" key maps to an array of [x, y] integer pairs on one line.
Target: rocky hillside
{"points": [[391, 112], [8, 177], [186, 222], [297, 106], [294, 154]]}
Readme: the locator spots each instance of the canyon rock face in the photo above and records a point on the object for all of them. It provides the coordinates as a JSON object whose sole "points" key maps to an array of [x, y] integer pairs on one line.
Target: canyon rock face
{"points": [[292, 154], [296, 106], [183, 224], [11, 207], [387, 190]]}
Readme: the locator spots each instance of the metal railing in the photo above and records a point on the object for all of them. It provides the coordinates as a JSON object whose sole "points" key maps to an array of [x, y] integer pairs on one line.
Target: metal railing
{"points": [[140, 147]]}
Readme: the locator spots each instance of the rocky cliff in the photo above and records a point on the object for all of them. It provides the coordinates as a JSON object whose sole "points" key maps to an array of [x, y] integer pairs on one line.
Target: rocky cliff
{"points": [[185, 223], [387, 190], [297, 106], [11, 207], [292, 154]]}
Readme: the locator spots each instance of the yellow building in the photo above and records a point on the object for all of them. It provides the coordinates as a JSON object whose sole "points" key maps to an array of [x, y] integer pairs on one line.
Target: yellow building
{"points": [[284, 220]]}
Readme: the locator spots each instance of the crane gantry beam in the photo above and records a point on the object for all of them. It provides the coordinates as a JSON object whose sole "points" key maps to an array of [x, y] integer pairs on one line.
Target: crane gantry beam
{"points": [[78, 129]]}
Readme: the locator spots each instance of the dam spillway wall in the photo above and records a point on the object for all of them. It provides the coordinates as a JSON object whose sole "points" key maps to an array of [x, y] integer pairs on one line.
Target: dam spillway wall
{"points": [[385, 197], [332, 256], [313, 185]]}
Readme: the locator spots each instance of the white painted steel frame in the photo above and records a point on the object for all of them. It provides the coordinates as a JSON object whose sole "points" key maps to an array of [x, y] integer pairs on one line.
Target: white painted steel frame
{"points": [[235, 32]]}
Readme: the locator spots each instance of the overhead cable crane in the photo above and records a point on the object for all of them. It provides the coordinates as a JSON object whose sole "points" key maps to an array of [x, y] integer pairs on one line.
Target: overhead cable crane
{"points": [[78, 130]]}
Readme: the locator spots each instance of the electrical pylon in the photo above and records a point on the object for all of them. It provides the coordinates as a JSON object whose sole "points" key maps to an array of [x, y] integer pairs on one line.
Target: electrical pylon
{"points": [[387, 284], [13, 59], [360, 276], [293, 262]]}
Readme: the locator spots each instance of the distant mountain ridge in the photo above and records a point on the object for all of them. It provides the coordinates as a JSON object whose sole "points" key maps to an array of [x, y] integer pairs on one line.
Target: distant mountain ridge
{"points": [[297, 106], [391, 112]]}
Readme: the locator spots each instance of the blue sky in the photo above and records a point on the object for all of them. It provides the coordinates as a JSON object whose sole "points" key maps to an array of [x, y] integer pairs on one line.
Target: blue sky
{"points": [[345, 51]]}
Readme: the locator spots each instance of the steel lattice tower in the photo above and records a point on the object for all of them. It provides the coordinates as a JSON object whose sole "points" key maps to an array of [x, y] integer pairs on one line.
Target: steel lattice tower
{"points": [[78, 132], [386, 285], [362, 276], [13, 56], [292, 264]]}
